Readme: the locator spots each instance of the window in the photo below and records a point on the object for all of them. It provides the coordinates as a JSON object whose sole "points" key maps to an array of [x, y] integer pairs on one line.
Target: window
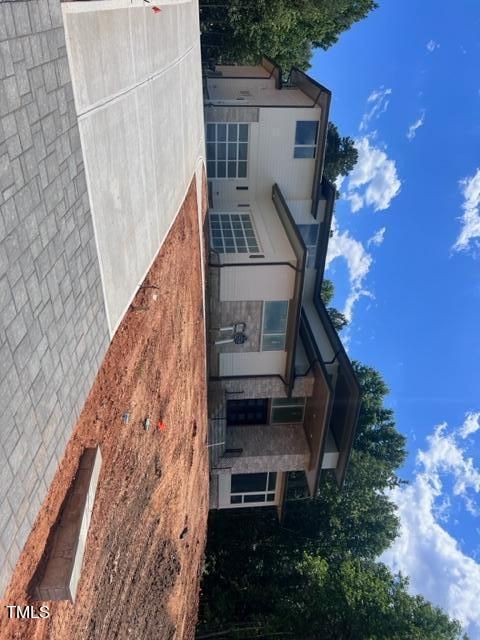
{"points": [[287, 410], [275, 315], [227, 150], [309, 233], [248, 411], [306, 139], [233, 233], [253, 488]]}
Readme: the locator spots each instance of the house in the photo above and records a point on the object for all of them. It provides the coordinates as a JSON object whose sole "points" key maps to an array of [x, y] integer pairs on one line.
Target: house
{"points": [[282, 392]]}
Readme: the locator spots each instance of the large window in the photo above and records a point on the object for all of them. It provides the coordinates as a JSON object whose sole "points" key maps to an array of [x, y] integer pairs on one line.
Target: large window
{"points": [[227, 150], [309, 233], [285, 410], [275, 316], [232, 233], [247, 412], [306, 139], [253, 488]]}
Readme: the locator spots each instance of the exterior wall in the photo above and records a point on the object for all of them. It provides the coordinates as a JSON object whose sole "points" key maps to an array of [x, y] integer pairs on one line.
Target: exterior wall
{"points": [[227, 313], [248, 91], [270, 387], [279, 447], [273, 141], [53, 324], [301, 211], [254, 362], [268, 282], [243, 71], [231, 114]]}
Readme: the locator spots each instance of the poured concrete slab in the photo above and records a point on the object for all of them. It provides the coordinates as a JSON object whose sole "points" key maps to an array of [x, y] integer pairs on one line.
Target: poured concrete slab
{"points": [[138, 93], [63, 566]]}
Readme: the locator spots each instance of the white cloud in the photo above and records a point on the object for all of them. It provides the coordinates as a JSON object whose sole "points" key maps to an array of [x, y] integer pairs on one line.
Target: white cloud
{"points": [[424, 550], [359, 261], [432, 45], [471, 424], [374, 180], [377, 237], [412, 129], [379, 102], [471, 213]]}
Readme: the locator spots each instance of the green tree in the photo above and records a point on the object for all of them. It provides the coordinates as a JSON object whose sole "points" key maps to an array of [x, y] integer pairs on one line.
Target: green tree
{"points": [[327, 291], [338, 319], [376, 433], [341, 155], [362, 600], [243, 31]]}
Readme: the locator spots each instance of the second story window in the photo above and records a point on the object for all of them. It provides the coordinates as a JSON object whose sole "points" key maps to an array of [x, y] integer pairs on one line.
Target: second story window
{"points": [[309, 233], [275, 316], [227, 150], [306, 139]]}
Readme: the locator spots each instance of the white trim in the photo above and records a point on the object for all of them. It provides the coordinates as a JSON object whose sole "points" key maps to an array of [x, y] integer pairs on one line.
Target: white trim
{"points": [[225, 492]]}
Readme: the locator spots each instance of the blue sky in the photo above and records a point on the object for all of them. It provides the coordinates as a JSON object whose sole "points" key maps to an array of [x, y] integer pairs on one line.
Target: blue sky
{"points": [[405, 259]]}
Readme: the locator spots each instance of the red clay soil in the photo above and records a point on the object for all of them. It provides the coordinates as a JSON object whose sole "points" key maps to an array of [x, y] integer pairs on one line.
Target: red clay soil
{"points": [[143, 557]]}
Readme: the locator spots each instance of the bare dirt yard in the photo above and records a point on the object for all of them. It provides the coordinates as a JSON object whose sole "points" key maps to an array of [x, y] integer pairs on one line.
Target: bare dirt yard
{"points": [[143, 558]]}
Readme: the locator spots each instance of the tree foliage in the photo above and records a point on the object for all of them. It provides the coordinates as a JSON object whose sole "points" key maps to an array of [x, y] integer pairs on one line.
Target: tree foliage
{"points": [[339, 320], [341, 155], [242, 31]]}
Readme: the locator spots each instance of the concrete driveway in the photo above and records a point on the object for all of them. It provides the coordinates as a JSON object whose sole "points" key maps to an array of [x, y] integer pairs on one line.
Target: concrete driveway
{"points": [[137, 84]]}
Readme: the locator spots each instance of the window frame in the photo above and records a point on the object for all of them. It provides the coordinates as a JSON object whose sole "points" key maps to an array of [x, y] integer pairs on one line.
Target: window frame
{"points": [[236, 220], [227, 146], [274, 333], [305, 147], [311, 248], [267, 491], [287, 403]]}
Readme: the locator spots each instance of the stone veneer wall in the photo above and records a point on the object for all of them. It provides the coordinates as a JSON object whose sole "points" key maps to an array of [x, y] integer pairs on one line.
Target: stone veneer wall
{"points": [[278, 447], [53, 325], [226, 313], [268, 387]]}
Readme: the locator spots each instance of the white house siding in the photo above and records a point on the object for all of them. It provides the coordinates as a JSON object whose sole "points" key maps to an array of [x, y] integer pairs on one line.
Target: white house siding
{"points": [[262, 282], [252, 363], [243, 71], [272, 146]]}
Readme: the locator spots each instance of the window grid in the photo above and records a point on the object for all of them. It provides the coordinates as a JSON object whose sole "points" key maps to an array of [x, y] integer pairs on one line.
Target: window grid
{"points": [[227, 150], [233, 233], [305, 139], [266, 495]]}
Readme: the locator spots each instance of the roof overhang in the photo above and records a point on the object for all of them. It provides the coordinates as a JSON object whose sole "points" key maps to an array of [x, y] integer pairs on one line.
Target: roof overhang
{"points": [[327, 192], [347, 393], [273, 69], [298, 246], [319, 407]]}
